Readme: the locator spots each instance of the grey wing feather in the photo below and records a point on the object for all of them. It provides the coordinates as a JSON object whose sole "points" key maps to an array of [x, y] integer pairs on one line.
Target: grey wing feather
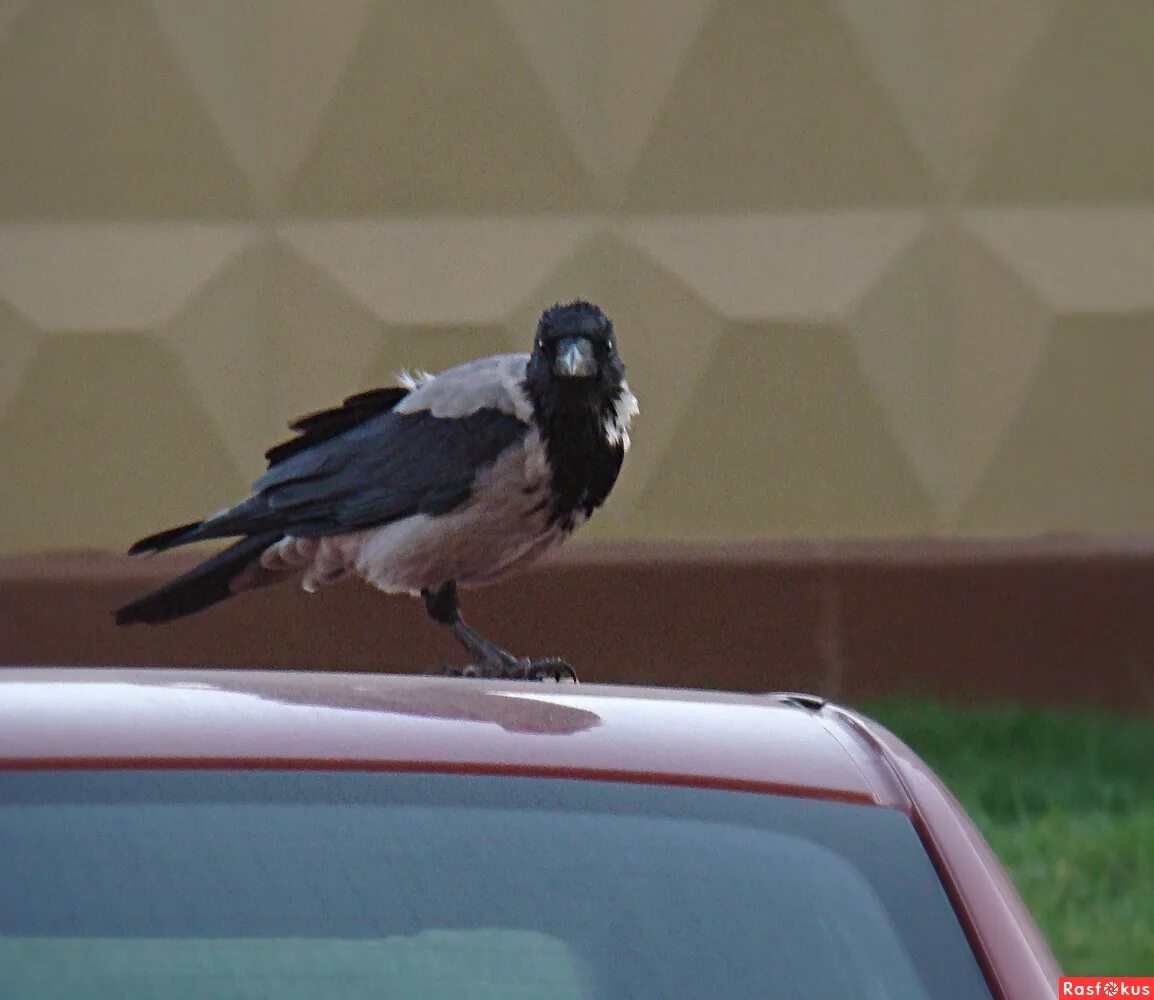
{"points": [[492, 383]]}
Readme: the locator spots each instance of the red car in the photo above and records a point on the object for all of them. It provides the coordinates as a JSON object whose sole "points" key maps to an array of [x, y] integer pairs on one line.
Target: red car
{"points": [[288, 835]]}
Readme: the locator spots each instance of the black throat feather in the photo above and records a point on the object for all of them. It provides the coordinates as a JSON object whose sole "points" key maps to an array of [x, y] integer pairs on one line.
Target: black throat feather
{"points": [[584, 465]]}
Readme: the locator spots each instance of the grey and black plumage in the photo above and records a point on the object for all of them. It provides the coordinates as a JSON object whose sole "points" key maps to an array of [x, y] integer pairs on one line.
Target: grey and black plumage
{"points": [[450, 480]]}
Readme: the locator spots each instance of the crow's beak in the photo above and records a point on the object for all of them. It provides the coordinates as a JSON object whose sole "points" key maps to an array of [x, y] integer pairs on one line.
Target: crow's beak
{"points": [[575, 358]]}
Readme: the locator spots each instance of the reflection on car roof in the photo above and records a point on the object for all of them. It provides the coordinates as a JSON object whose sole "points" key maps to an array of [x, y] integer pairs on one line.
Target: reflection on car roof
{"points": [[105, 717]]}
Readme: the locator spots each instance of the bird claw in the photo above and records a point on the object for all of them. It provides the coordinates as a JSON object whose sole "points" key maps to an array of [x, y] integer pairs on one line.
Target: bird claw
{"points": [[551, 668]]}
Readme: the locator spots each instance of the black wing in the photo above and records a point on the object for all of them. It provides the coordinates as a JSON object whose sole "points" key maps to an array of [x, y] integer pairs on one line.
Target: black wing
{"points": [[388, 467], [364, 463], [313, 428]]}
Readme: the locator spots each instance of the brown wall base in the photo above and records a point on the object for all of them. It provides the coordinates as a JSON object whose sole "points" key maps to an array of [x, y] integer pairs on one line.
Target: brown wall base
{"points": [[1062, 621]]}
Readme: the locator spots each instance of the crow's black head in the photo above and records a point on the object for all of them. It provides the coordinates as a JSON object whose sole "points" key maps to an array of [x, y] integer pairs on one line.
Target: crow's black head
{"points": [[575, 359], [582, 407]]}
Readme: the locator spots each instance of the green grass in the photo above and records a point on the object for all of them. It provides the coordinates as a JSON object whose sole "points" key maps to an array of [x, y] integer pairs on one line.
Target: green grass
{"points": [[1067, 802]]}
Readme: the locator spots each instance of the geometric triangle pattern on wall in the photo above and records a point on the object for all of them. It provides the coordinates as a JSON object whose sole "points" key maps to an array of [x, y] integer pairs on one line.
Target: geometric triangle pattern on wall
{"points": [[873, 275]]}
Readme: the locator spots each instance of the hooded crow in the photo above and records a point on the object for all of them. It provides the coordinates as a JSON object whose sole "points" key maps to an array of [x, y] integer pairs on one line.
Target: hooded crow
{"points": [[447, 480]]}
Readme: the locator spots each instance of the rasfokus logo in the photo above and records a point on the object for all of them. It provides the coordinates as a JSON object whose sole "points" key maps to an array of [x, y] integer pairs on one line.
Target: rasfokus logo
{"points": [[1106, 986]]}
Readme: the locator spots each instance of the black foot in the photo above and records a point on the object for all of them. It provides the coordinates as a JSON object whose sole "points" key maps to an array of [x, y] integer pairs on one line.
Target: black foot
{"points": [[550, 669]]}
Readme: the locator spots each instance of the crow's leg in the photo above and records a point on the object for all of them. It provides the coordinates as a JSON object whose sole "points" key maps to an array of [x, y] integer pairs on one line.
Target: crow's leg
{"points": [[444, 608]]}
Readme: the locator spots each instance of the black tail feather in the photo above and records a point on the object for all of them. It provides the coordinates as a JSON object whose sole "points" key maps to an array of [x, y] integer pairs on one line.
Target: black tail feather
{"points": [[200, 587], [166, 539]]}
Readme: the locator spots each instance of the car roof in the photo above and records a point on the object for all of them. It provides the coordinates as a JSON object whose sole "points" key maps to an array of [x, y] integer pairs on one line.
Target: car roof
{"points": [[81, 717]]}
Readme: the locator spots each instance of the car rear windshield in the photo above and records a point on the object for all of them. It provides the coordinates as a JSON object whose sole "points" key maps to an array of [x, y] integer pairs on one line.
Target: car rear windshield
{"points": [[189, 884]]}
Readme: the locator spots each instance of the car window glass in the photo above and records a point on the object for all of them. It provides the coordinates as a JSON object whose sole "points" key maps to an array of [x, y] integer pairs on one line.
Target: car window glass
{"points": [[565, 888]]}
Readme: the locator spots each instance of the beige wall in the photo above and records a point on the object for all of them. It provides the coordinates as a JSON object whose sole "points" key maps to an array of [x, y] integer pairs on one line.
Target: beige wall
{"points": [[878, 266]]}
